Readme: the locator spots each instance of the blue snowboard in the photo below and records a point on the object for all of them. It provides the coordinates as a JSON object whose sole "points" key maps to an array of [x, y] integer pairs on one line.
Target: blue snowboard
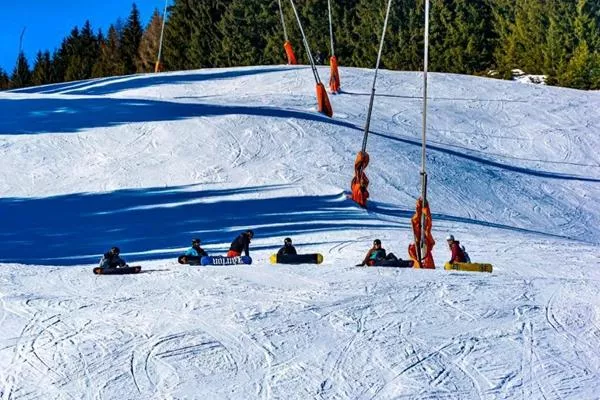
{"points": [[222, 260]]}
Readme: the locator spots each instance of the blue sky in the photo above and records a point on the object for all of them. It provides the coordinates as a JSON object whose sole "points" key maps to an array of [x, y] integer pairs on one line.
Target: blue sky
{"points": [[49, 22]]}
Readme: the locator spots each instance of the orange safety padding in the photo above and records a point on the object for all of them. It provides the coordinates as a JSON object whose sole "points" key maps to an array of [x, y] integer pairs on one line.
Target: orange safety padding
{"points": [[334, 80], [157, 67], [324, 106], [360, 182], [289, 51], [427, 258]]}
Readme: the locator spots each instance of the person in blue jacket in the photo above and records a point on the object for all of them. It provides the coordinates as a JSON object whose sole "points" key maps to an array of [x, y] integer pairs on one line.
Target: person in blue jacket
{"points": [[376, 255], [111, 259], [194, 253]]}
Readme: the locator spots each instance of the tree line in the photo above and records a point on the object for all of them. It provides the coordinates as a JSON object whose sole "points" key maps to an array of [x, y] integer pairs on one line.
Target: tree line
{"points": [[556, 38]]}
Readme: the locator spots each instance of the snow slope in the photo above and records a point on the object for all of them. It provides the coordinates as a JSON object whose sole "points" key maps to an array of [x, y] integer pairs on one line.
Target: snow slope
{"points": [[150, 161]]}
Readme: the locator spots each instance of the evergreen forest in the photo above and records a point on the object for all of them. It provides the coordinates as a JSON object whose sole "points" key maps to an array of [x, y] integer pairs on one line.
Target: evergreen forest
{"points": [[556, 38]]}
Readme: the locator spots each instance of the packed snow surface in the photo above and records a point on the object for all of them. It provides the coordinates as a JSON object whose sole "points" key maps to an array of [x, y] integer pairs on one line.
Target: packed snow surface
{"points": [[148, 162]]}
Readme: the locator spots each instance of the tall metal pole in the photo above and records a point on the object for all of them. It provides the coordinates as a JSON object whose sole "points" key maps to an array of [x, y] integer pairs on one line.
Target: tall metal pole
{"points": [[285, 35], [310, 58], [424, 146], [330, 28], [162, 31], [368, 124]]}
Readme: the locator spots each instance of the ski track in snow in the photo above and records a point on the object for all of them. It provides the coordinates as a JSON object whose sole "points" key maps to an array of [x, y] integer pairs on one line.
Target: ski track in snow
{"points": [[514, 165]]}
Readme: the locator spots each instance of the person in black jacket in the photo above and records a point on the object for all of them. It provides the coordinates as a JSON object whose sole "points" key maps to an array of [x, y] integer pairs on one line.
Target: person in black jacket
{"points": [[287, 248], [111, 259], [241, 243]]}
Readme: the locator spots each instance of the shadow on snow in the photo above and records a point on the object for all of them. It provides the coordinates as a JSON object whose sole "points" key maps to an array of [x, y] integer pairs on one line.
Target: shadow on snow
{"points": [[52, 115], [119, 83], [155, 223]]}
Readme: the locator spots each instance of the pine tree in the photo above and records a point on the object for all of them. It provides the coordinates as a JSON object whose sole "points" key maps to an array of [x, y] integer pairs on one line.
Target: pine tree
{"points": [[367, 32], [274, 38], [178, 35], [110, 62], [41, 69], [578, 73], [82, 53], [315, 20], [4, 81], [461, 33], [21, 75], [130, 41], [148, 49], [406, 36], [205, 45], [244, 27], [89, 49], [191, 38], [559, 40]]}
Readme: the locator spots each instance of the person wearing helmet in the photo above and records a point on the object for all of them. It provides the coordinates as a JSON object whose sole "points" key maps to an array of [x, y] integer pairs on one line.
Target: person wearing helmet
{"points": [[287, 248], [194, 253], [111, 259], [241, 244], [375, 254], [458, 254]]}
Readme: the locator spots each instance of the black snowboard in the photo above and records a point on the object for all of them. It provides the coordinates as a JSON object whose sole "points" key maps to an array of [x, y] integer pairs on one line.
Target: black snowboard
{"points": [[191, 260], [395, 263], [118, 271], [315, 258]]}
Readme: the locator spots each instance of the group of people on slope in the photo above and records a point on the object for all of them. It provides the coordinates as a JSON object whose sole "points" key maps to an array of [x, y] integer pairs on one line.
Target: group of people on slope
{"points": [[241, 244], [377, 254]]}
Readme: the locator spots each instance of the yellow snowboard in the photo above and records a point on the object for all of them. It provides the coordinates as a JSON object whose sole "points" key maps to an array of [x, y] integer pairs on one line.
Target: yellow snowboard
{"points": [[473, 267]]}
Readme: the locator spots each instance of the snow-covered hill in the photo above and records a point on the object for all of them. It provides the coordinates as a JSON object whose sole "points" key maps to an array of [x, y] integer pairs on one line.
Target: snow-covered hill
{"points": [[150, 161]]}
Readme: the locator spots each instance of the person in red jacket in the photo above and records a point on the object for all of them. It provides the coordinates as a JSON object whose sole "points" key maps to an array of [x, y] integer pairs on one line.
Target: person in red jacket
{"points": [[457, 253], [241, 243]]}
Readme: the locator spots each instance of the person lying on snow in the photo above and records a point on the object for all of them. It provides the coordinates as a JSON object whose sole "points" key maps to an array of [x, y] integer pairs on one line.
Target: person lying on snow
{"points": [[287, 248], [111, 259], [241, 243], [458, 252], [376, 254]]}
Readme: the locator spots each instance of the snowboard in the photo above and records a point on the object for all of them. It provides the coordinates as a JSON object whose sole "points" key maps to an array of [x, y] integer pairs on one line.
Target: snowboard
{"points": [[222, 260], [191, 260], [118, 271], [393, 264], [472, 267], [314, 258]]}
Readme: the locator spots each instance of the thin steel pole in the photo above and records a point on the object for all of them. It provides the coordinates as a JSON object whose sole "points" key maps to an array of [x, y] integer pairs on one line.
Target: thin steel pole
{"points": [[330, 28], [285, 35], [368, 124], [310, 58], [424, 139], [162, 31]]}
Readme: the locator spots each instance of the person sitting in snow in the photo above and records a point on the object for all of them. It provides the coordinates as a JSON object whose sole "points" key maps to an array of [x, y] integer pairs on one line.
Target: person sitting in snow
{"points": [[194, 253], [111, 259], [376, 254], [287, 248], [458, 255], [241, 243]]}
